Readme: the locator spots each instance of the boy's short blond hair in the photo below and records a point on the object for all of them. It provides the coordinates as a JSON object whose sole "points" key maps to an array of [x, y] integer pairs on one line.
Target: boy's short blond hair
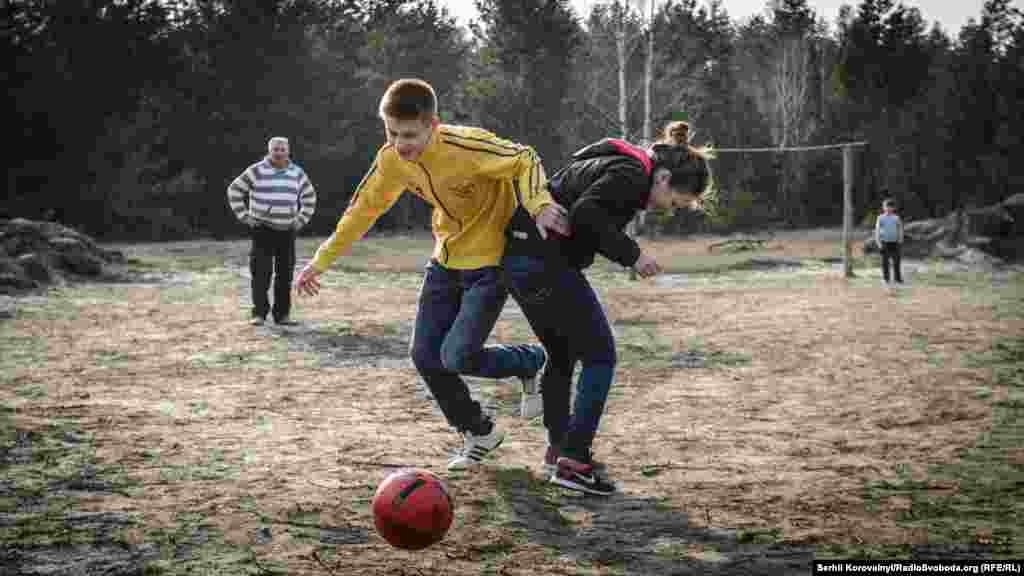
{"points": [[409, 99]]}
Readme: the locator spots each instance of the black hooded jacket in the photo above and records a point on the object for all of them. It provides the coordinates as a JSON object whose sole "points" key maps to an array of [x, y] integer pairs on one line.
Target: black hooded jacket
{"points": [[603, 187]]}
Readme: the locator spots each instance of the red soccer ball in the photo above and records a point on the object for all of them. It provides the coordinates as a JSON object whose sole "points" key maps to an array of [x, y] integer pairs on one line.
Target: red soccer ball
{"points": [[412, 509]]}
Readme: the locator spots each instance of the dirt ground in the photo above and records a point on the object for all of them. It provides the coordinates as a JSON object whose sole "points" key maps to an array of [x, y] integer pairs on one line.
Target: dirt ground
{"points": [[761, 417]]}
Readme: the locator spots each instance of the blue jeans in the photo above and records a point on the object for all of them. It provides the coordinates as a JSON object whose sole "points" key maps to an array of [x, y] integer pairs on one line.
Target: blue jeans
{"points": [[457, 311], [564, 312]]}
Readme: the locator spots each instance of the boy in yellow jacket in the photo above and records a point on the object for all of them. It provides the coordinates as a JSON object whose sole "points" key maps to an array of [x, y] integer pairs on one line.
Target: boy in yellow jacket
{"points": [[474, 180]]}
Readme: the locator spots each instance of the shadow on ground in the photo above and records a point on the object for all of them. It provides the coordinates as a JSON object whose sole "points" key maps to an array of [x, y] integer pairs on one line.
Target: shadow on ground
{"points": [[46, 473], [640, 535], [345, 345]]}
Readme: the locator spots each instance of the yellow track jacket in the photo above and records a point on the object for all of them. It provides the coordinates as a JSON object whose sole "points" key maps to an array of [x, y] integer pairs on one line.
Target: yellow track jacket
{"points": [[473, 179]]}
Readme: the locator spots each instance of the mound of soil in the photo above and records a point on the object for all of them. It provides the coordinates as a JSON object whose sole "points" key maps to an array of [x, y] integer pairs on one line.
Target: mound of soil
{"points": [[34, 254]]}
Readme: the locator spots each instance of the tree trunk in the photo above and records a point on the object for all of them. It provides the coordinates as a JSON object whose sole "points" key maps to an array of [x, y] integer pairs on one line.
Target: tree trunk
{"points": [[524, 95], [640, 221], [649, 76], [792, 68], [621, 53]]}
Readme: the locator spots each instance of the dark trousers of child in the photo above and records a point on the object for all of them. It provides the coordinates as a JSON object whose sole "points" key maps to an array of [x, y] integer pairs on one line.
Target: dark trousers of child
{"points": [[566, 315], [891, 253], [272, 256]]}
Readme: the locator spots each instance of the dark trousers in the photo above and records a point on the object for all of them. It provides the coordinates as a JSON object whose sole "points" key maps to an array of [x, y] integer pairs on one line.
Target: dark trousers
{"points": [[456, 313], [272, 255], [891, 252], [564, 312]]}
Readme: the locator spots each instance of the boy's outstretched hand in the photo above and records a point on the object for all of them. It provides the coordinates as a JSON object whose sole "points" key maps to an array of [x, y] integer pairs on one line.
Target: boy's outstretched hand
{"points": [[308, 282], [555, 218]]}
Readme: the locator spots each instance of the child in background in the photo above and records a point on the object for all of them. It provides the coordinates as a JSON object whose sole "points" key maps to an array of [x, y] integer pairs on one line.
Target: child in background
{"points": [[889, 237]]}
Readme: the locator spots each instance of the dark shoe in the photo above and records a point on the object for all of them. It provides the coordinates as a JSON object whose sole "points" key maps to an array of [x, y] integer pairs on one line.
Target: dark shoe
{"points": [[550, 465], [581, 477], [286, 321]]}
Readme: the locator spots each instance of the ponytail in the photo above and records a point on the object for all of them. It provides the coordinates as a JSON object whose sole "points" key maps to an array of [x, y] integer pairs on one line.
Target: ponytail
{"points": [[688, 164], [673, 149], [676, 133]]}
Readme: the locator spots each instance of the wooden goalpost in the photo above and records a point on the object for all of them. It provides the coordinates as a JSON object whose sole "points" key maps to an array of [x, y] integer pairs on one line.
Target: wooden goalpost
{"points": [[847, 148]]}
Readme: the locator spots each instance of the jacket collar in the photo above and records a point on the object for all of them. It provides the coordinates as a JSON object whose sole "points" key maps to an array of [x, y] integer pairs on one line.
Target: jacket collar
{"points": [[641, 154]]}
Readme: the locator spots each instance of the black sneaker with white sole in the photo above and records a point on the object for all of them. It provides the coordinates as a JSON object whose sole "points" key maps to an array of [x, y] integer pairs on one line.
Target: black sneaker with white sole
{"points": [[582, 477]]}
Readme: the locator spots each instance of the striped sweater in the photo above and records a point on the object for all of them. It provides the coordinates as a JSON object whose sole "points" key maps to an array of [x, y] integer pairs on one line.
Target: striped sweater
{"points": [[281, 198]]}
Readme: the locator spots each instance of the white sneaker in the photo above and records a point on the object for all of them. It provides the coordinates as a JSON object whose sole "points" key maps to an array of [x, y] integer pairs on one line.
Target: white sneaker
{"points": [[475, 449], [530, 405]]}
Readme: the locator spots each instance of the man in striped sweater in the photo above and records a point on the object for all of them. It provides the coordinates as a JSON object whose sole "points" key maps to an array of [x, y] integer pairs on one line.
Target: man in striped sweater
{"points": [[275, 198]]}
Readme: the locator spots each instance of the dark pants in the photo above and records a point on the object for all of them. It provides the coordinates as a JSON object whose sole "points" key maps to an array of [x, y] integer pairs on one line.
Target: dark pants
{"points": [[457, 311], [891, 251], [272, 254], [564, 312]]}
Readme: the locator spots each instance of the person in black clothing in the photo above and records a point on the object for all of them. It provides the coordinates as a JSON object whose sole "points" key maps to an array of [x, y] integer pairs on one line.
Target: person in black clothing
{"points": [[603, 187]]}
